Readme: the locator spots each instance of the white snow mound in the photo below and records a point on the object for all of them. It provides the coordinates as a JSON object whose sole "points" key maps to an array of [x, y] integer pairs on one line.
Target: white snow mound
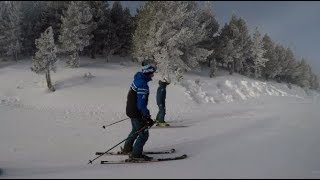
{"points": [[236, 88]]}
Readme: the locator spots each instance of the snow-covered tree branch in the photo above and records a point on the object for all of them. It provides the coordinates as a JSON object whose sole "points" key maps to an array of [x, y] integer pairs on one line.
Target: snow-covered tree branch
{"points": [[76, 30], [172, 37]]}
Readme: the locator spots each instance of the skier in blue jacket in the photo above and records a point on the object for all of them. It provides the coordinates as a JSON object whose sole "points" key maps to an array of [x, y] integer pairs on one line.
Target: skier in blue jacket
{"points": [[137, 111]]}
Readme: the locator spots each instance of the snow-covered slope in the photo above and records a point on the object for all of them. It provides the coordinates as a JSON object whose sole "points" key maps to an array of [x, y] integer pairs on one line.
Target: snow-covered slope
{"points": [[238, 127], [235, 88]]}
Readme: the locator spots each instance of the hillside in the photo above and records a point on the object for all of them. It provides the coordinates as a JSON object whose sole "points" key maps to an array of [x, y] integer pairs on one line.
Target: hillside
{"points": [[238, 127]]}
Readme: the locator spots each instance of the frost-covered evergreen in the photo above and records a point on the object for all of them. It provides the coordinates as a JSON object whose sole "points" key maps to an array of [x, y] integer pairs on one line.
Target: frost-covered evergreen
{"points": [[280, 58], [32, 24], [177, 36], [45, 58], [242, 43], [144, 18], [2, 50], [76, 30], [37, 17], [225, 51], [258, 53], [315, 82], [292, 64], [234, 37], [207, 19], [173, 36], [52, 15], [121, 30], [289, 72], [126, 34], [272, 67], [101, 16], [211, 27], [304, 77], [10, 28]]}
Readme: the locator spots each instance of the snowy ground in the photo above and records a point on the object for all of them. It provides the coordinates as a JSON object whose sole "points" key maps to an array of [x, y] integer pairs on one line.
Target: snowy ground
{"points": [[238, 127]]}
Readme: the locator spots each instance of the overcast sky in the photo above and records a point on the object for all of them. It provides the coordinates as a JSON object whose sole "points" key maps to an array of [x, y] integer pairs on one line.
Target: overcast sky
{"points": [[295, 24]]}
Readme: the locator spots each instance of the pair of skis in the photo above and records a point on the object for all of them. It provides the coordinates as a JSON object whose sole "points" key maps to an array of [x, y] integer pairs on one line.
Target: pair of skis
{"points": [[160, 127], [171, 151], [154, 127], [150, 152]]}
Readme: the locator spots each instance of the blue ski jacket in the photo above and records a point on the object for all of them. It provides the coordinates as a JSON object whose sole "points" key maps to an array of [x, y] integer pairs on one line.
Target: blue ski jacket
{"points": [[138, 96]]}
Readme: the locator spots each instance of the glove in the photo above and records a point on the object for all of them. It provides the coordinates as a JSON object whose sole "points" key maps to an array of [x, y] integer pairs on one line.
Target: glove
{"points": [[148, 121]]}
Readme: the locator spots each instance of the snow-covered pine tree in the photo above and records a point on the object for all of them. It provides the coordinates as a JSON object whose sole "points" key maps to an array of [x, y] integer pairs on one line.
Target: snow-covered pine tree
{"points": [[144, 18], [54, 11], [134, 26], [32, 24], [111, 40], [271, 64], [208, 20], [258, 53], [311, 78], [45, 58], [211, 27], [37, 17], [303, 79], [76, 30], [242, 43], [292, 72], [173, 38], [289, 72], [224, 48], [2, 50], [10, 28], [228, 54], [301, 73], [315, 82], [120, 36], [286, 64], [101, 16], [235, 32], [127, 31], [280, 52]]}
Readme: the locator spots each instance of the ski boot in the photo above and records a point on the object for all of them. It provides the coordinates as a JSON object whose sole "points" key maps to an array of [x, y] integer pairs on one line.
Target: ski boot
{"points": [[161, 124], [139, 158], [124, 151]]}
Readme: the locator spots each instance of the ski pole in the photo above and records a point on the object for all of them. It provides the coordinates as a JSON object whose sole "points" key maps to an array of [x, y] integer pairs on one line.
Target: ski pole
{"points": [[113, 123], [140, 130]]}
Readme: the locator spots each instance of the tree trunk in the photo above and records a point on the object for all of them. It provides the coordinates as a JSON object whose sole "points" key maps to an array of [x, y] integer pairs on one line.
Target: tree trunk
{"points": [[105, 53], [16, 56], [213, 68], [110, 53], [93, 51], [231, 67], [49, 84], [267, 77], [209, 62], [73, 62]]}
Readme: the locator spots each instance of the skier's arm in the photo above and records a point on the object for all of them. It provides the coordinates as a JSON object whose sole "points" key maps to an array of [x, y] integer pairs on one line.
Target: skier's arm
{"points": [[143, 94]]}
